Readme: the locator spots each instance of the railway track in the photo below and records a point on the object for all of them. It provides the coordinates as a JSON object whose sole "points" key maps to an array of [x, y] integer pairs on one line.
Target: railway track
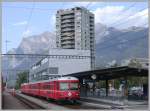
{"points": [[28, 103], [52, 104]]}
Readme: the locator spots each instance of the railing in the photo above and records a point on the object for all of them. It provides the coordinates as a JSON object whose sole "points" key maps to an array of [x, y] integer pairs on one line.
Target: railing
{"points": [[67, 25], [68, 42], [113, 95], [67, 38], [68, 29], [67, 16], [65, 21]]}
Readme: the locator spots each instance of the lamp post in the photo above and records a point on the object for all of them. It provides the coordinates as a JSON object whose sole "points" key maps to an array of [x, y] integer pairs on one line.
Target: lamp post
{"points": [[94, 78]]}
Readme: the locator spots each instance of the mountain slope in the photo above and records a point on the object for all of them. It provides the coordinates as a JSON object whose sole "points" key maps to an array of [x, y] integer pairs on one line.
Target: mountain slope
{"points": [[111, 45], [122, 44]]}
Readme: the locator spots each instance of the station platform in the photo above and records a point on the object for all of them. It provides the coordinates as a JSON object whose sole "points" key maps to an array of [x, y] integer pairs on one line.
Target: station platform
{"points": [[116, 104], [43, 103], [10, 102]]}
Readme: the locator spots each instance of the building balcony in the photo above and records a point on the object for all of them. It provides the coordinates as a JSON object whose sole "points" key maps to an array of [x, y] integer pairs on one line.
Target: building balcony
{"points": [[67, 17], [67, 25], [66, 38], [67, 34], [92, 25], [91, 21], [68, 42], [68, 21], [68, 46], [68, 29]]}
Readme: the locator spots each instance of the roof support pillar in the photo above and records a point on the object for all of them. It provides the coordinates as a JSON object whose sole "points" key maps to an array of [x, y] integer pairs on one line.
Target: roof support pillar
{"points": [[106, 87]]}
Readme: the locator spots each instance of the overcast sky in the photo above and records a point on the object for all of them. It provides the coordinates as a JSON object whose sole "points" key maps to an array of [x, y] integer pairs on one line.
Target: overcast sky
{"points": [[25, 19]]}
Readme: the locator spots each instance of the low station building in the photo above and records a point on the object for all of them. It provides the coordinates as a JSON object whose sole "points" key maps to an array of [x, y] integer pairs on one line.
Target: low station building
{"points": [[60, 62]]}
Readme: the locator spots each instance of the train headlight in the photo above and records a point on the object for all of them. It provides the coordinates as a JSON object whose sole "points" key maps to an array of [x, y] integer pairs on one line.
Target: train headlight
{"points": [[69, 94]]}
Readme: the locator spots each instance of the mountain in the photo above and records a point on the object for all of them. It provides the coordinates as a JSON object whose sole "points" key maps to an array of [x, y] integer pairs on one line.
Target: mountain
{"points": [[120, 45], [112, 46], [36, 44]]}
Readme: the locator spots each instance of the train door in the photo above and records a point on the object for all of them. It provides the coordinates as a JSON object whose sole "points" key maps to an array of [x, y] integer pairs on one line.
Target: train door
{"points": [[55, 89], [52, 88]]}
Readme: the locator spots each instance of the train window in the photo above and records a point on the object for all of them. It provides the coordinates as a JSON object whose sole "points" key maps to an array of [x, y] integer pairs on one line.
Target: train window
{"points": [[53, 70], [64, 86], [46, 87], [73, 86]]}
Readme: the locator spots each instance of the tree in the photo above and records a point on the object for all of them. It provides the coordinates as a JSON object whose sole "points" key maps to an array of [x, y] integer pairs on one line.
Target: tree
{"points": [[22, 77], [137, 81], [135, 63]]}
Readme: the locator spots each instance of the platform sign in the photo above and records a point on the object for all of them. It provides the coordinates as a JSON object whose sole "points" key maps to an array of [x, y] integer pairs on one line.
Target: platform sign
{"points": [[83, 81], [123, 81]]}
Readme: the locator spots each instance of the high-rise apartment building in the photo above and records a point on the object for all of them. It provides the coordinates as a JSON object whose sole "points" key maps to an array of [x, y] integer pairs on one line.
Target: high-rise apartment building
{"points": [[75, 30]]}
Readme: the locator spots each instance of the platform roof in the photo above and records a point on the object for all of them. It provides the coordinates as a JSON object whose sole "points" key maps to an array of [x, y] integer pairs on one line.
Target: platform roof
{"points": [[112, 73]]}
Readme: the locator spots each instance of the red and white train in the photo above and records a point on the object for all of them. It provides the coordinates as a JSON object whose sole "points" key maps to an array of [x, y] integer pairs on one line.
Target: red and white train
{"points": [[62, 88]]}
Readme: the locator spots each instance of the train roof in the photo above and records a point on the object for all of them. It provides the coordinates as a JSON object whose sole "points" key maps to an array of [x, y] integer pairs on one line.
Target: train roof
{"points": [[54, 79]]}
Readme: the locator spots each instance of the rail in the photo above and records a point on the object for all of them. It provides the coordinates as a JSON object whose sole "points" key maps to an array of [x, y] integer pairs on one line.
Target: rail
{"points": [[29, 103]]}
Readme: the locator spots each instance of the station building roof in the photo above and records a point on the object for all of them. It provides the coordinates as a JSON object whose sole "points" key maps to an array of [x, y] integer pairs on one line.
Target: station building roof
{"points": [[112, 73]]}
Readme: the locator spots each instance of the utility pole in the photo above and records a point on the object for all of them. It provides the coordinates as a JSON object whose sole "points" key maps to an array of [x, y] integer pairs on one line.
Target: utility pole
{"points": [[6, 44], [6, 61]]}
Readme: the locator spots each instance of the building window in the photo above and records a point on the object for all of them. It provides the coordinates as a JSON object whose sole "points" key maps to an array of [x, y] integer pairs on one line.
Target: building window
{"points": [[57, 26], [78, 22], [53, 70]]}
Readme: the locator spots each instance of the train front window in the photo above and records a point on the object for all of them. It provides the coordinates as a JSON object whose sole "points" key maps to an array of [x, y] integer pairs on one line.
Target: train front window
{"points": [[64, 86], [73, 86]]}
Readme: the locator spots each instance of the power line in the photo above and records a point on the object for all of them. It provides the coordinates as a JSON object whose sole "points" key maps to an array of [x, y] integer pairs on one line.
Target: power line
{"points": [[130, 16], [62, 6], [28, 8], [88, 5], [118, 35], [126, 19], [131, 40], [30, 15], [125, 10]]}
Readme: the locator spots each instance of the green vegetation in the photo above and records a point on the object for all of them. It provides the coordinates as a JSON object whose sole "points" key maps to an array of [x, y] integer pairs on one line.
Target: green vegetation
{"points": [[137, 81], [131, 82], [22, 77]]}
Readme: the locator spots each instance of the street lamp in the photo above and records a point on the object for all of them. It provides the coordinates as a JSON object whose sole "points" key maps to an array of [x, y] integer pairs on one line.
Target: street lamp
{"points": [[94, 78]]}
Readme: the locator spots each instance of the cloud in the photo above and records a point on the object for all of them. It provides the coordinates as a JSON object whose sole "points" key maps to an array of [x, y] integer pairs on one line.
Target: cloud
{"points": [[115, 16], [102, 15], [27, 33], [52, 22], [119, 17], [20, 23]]}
